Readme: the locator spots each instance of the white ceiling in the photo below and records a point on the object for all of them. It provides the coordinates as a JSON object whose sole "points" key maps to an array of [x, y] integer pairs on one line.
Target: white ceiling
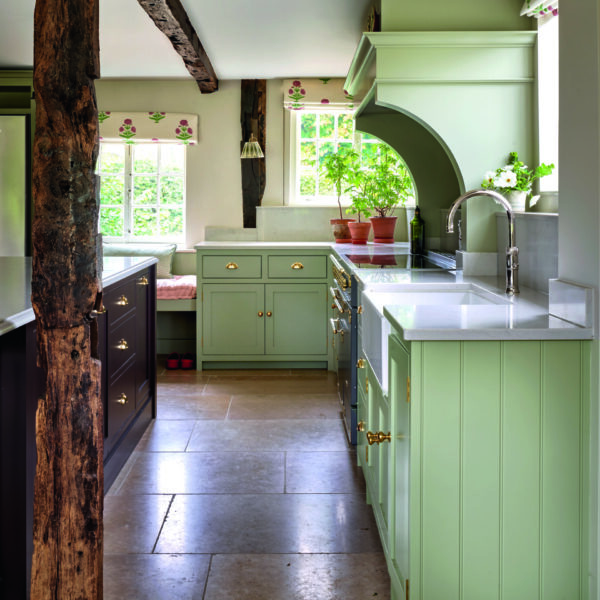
{"points": [[243, 38]]}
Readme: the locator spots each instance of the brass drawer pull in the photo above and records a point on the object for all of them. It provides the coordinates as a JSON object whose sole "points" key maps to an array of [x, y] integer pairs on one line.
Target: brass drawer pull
{"points": [[297, 266], [360, 426], [100, 311], [378, 438], [122, 301], [360, 363], [260, 313], [269, 313], [143, 280], [122, 399], [123, 345], [231, 266]]}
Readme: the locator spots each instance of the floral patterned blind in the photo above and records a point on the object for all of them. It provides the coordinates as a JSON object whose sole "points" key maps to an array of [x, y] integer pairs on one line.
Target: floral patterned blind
{"points": [[540, 8], [144, 127], [317, 94]]}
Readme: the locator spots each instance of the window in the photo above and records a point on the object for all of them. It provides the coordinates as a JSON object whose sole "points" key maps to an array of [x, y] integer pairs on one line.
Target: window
{"points": [[313, 136], [548, 98], [142, 192]]}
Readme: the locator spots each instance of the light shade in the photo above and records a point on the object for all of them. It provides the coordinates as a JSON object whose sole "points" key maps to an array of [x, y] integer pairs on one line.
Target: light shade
{"points": [[252, 149]]}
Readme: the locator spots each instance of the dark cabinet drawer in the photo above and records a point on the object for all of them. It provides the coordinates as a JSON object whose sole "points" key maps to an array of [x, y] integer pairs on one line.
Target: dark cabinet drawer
{"points": [[121, 345], [120, 401], [119, 301]]}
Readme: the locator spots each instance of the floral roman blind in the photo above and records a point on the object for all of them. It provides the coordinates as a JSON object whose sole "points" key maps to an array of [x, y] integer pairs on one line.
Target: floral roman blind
{"points": [[151, 126], [317, 94], [540, 8]]}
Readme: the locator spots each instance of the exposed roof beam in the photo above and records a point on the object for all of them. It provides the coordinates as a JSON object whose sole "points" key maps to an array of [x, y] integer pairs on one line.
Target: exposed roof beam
{"points": [[170, 17]]}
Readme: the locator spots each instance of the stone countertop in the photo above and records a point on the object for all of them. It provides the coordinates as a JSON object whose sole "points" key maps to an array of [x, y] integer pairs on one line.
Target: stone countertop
{"points": [[531, 315], [15, 295]]}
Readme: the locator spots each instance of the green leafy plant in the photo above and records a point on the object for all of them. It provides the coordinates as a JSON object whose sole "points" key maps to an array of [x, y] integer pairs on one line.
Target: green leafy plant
{"points": [[361, 189], [337, 168], [515, 175]]}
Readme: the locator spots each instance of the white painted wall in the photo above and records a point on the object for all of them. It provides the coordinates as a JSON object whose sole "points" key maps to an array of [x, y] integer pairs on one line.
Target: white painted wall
{"points": [[579, 184], [214, 192]]}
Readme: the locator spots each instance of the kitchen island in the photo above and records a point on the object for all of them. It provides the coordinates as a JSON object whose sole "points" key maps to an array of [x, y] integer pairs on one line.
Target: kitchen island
{"points": [[126, 347]]}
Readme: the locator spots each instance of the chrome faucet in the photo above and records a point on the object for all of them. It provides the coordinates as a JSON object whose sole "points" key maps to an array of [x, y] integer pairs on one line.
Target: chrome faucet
{"points": [[512, 252]]}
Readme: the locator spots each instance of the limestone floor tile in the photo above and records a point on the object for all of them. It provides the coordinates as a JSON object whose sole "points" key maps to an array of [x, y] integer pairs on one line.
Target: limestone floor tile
{"points": [[259, 435], [132, 523], [298, 577], [175, 404], [232, 374], [203, 473], [297, 384], [181, 376], [155, 576], [163, 435], [269, 524], [322, 473], [284, 406]]}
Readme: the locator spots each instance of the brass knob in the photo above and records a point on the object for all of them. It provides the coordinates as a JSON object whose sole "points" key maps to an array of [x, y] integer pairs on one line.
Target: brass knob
{"points": [[231, 266], [333, 305], [122, 345], [359, 310], [143, 280], [122, 301], [360, 426], [360, 363], [260, 313], [122, 399], [100, 311], [297, 265], [269, 313], [378, 438]]}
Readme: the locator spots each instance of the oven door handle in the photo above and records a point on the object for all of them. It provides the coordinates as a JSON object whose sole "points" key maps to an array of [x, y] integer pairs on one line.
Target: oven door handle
{"points": [[335, 326], [336, 300]]}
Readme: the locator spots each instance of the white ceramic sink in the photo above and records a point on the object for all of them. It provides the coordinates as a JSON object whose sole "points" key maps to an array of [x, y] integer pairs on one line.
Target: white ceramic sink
{"points": [[374, 328]]}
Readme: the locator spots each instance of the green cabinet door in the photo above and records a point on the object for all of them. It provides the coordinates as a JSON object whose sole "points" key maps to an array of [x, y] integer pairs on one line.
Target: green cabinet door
{"points": [[233, 319], [296, 319], [400, 414]]}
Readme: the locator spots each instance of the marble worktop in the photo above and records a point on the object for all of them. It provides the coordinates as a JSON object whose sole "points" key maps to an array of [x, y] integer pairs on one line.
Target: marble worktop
{"points": [[566, 313], [15, 292]]}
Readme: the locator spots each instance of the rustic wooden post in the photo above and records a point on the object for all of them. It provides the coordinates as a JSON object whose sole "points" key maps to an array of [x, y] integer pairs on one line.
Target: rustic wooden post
{"points": [[68, 542], [253, 120]]}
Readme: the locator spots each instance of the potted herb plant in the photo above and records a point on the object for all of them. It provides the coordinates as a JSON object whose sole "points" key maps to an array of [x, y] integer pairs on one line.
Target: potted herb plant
{"points": [[515, 180], [362, 185], [392, 186], [336, 167]]}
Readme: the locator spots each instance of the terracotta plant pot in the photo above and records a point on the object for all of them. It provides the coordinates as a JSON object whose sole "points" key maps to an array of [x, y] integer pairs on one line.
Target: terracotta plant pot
{"points": [[360, 232], [341, 233], [383, 229]]}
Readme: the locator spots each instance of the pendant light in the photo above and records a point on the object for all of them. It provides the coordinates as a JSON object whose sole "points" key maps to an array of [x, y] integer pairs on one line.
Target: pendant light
{"points": [[252, 148]]}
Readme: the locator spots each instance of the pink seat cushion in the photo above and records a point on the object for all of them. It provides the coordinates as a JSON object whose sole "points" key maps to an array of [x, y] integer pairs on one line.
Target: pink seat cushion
{"points": [[181, 287]]}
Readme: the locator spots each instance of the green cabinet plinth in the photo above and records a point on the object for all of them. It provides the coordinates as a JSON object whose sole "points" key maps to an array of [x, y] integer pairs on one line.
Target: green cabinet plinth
{"points": [[486, 471], [262, 308]]}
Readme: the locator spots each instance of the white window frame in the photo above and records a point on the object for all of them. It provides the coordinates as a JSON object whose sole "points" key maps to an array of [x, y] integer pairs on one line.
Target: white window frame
{"points": [[292, 176], [547, 99], [128, 200]]}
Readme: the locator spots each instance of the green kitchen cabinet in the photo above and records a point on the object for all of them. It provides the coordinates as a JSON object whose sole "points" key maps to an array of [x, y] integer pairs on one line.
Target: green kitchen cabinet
{"points": [[488, 469], [262, 308]]}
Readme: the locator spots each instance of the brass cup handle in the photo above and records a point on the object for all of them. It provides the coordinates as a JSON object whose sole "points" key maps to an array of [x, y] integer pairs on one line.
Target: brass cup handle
{"points": [[122, 399], [231, 266], [378, 438], [260, 313], [360, 363], [360, 426], [122, 345], [122, 301], [143, 280], [297, 266], [269, 313]]}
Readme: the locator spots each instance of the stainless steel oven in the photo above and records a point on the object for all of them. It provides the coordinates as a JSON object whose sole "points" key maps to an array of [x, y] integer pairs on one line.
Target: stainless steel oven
{"points": [[345, 335]]}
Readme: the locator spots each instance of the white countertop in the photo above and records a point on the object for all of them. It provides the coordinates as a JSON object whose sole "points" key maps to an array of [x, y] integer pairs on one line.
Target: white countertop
{"points": [[15, 294]]}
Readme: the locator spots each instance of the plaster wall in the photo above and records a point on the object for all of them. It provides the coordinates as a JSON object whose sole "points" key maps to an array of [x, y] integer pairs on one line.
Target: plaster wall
{"points": [[213, 173]]}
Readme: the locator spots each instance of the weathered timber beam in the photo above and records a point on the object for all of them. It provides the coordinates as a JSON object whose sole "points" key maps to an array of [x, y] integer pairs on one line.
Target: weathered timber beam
{"points": [[170, 17], [68, 496], [253, 119]]}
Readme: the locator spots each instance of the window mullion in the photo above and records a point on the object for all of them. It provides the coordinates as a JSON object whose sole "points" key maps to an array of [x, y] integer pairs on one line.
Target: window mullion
{"points": [[128, 199]]}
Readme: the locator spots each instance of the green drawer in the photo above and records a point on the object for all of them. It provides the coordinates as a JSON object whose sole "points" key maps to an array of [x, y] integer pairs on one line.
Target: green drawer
{"points": [[231, 266], [297, 267]]}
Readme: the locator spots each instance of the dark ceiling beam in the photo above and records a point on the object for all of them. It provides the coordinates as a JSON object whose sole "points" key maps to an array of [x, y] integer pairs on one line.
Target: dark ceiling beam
{"points": [[170, 17]]}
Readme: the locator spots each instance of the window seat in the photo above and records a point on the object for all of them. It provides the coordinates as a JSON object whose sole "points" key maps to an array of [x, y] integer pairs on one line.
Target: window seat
{"points": [[177, 294]]}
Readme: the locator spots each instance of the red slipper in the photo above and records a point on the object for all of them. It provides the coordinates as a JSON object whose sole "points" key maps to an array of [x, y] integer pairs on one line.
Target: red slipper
{"points": [[187, 361], [173, 361]]}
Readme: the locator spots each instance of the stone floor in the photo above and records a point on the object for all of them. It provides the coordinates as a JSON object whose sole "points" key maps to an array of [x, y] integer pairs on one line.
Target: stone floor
{"points": [[243, 488]]}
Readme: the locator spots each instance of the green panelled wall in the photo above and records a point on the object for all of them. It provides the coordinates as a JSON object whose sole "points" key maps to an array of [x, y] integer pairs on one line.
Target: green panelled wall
{"points": [[490, 502]]}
